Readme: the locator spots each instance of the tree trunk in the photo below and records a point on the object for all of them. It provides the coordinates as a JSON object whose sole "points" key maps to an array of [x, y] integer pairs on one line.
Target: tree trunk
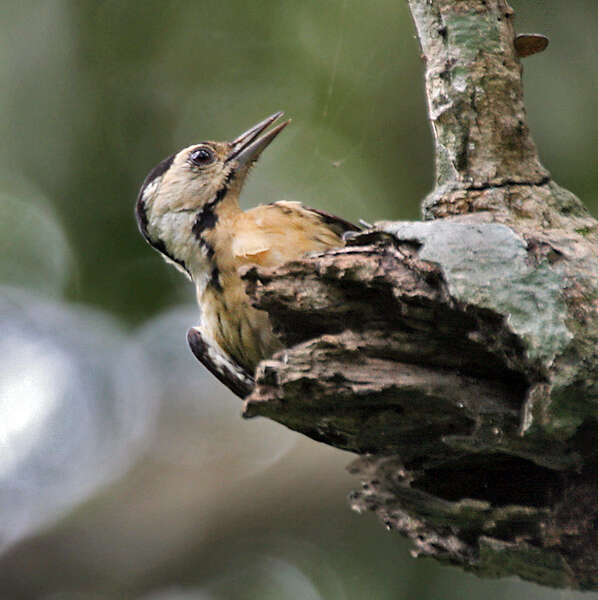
{"points": [[458, 355]]}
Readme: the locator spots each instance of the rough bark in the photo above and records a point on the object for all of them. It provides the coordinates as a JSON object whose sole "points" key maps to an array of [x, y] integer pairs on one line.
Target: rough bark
{"points": [[458, 355]]}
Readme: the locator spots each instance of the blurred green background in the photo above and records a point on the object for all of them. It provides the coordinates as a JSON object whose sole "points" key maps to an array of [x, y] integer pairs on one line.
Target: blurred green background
{"points": [[126, 471]]}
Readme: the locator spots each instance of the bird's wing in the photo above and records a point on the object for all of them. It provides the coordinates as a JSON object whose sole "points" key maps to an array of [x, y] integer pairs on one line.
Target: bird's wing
{"points": [[339, 225], [232, 375], [271, 234]]}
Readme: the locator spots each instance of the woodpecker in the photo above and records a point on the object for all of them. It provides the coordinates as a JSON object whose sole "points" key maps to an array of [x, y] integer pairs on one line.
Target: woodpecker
{"points": [[188, 210]]}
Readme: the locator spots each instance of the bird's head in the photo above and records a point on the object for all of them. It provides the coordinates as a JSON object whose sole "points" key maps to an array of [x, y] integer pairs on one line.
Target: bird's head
{"points": [[195, 178]]}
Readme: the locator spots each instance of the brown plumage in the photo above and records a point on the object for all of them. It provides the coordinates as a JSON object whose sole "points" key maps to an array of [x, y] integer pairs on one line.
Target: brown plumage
{"points": [[188, 210], [267, 235]]}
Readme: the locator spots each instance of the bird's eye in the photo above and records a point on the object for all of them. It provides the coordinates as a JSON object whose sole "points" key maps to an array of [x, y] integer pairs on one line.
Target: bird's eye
{"points": [[202, 156]]}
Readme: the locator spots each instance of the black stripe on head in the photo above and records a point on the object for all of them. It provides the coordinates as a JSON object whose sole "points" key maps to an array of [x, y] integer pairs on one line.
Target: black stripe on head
{"points": [[140, 208], [206, 217], [158, 170]]}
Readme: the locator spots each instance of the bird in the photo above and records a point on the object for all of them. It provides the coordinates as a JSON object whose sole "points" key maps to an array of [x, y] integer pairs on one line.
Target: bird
{"points": [[188, 210]]}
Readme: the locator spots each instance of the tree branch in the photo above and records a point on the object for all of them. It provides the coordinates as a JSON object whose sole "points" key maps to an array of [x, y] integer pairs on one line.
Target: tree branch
{"points": [[460, 354], [475, 95]]}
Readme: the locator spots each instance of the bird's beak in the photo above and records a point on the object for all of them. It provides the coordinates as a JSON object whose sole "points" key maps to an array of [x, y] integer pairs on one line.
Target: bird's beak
{"points": [[246, 149]]}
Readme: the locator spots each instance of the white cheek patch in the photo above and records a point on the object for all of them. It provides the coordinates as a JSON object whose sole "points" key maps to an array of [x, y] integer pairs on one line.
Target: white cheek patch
{"points": [[174, 230], [149, 191], [170, 224]]}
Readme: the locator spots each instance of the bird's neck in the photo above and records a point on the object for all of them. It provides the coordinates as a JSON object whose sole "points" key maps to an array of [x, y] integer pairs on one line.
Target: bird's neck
{"points": [[209, 237]]}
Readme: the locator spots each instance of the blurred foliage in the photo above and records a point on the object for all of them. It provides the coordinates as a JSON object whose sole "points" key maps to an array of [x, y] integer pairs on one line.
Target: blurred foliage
{"points": [[92, 95]]}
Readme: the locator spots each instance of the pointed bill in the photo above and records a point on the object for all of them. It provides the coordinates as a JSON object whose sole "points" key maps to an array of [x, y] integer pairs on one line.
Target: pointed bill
{"points": [[248, 136], [248, 146]]}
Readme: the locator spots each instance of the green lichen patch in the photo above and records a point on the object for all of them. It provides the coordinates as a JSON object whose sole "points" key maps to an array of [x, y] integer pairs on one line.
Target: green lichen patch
{"points": [[486, 265], [470, 31]]}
